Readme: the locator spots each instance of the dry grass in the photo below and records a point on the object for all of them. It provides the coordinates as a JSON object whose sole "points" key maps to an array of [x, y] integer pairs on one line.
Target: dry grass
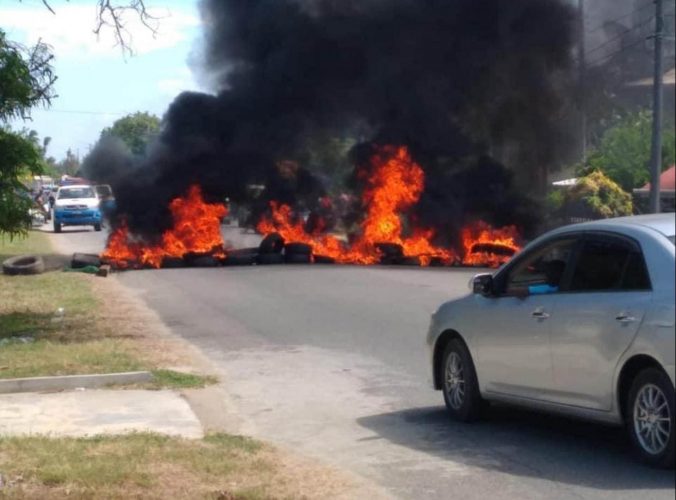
{"points": [[153, 466]]}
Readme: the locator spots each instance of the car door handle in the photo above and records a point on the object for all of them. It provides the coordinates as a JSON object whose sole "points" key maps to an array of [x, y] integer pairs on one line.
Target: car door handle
{"points": [[625, 318], [539, 314]]}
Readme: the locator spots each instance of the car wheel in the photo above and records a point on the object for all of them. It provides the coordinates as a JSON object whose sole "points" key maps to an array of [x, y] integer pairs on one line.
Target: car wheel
{"points": [[650, 417], [57, 227], [460, 386], [97, 227]]}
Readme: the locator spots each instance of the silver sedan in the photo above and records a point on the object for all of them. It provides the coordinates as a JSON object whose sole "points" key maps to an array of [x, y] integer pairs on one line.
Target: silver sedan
{"points": [[580, 323]]}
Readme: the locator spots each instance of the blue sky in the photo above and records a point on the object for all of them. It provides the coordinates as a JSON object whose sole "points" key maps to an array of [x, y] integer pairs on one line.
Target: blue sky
{"points": [[98, 84]]}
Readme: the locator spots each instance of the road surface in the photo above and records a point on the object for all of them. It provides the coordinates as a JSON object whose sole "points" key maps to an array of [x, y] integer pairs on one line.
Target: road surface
{"points": [[331, 361]]}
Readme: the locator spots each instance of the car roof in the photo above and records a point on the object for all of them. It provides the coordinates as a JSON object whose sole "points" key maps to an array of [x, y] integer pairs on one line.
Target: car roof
{"points": [[75, 186], [663, 223]]}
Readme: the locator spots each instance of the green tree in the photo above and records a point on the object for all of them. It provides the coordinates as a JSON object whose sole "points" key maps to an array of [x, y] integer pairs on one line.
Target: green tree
{"points": [[137, 131], [624, 151], [26, 81]]}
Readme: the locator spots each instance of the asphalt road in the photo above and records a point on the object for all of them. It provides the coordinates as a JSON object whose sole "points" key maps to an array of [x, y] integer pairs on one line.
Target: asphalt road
{"points": [[331, 361]]}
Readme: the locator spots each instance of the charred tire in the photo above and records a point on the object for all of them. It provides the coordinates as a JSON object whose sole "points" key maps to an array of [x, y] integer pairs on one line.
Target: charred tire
{"points": [[265, 259], [650, 417], [297, 249], [272, 244], [298, 258], [240, 260], [57, 227], [81, 260], [323, 259], [203, 261], [390, 250], [97, 227], [459, 383], [23, 265]]}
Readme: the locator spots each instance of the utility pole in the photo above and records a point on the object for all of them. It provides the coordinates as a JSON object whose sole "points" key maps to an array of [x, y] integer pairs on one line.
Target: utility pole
{"points": [[656, 148], [582, 94]]}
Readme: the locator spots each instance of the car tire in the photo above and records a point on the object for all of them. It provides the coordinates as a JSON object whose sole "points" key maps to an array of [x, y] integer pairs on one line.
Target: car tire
{"points": [[297, 249], [264, 259], [97, 227], [650, 417], [459, 383], [23, 265], [272, 244], [57, 227]]}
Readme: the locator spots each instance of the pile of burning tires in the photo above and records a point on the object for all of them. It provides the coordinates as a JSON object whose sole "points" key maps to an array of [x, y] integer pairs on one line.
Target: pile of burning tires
{"points": [[274, 250]]}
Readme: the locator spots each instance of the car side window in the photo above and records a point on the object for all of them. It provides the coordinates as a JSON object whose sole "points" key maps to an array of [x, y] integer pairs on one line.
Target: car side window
{"points": [[542, 271], [610, 264]]}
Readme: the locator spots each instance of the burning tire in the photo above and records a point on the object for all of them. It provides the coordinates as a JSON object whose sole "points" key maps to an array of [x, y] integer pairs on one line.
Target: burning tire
{"points": [[323, 259], [241, 257], [202, 261], [81, 260], [23, 265], [298, 258], [297, 249], [264, 259], [271, 244], [172, 263]]}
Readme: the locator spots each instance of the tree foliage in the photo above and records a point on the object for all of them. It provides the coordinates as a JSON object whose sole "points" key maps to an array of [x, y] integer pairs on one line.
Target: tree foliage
{"points": [[26, 81], [137, 131], [624, 151]]}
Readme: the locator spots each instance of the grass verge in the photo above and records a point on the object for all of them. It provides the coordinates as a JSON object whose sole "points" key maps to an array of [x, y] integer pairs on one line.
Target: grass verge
{"points": [[139, 465], [52, 324]]}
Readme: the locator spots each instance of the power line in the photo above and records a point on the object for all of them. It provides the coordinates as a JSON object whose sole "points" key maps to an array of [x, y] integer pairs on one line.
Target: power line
{"points": [[612, 54], [620, 36], [604, 23], [83, 112]]}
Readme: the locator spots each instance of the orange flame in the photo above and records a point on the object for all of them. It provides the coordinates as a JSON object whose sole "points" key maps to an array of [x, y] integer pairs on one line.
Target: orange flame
{"points": [[393, 185], [487, 246], [196, 229]]}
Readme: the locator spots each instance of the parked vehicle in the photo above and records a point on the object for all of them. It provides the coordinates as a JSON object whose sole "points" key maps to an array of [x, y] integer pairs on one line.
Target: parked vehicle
{"points": [[581, 323], [76, 205]]}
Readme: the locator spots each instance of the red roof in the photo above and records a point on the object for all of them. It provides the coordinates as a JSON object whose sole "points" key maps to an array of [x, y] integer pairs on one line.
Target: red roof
{"points": [[667, 180]]}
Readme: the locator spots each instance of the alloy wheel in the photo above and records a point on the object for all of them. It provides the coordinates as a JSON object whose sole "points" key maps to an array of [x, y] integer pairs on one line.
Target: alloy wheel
{"points": [[652, 419], [455, 380]]}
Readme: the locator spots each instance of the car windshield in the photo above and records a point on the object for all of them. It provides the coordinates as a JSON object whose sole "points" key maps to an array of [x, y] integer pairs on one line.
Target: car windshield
{"points": [[104, 190], [72, 193]]}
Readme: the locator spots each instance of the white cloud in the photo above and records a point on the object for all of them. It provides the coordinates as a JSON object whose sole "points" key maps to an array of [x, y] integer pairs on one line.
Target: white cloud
{"points": [[70, 31]]}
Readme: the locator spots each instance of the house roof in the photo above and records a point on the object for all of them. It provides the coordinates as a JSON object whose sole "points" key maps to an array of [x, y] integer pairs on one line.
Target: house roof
{"points": [[667, 180]]}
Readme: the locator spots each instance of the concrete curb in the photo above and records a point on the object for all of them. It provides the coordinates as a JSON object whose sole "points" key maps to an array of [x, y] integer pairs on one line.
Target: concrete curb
{"points": [[36, 384]]}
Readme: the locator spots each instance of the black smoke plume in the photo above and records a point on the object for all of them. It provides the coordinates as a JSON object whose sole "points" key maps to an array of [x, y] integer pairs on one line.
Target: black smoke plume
{"points": [[458, 81]]}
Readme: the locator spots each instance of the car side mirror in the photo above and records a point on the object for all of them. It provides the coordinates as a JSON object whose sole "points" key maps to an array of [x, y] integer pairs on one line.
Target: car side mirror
{"points": [[483, 284]]}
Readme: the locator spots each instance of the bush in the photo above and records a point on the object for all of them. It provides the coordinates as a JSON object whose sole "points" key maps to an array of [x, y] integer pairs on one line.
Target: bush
{"points": [[596, 196]]}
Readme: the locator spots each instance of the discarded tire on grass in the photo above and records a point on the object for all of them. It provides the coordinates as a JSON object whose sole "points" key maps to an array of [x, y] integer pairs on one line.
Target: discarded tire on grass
{"points": [[272, 244], [269, 258], [80, 260], [23, 265], [297, 249], [298, 258]]}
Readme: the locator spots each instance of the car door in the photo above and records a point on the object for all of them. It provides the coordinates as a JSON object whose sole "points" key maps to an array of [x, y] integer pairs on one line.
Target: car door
{"points": [[598, 318], [514, 326]]}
